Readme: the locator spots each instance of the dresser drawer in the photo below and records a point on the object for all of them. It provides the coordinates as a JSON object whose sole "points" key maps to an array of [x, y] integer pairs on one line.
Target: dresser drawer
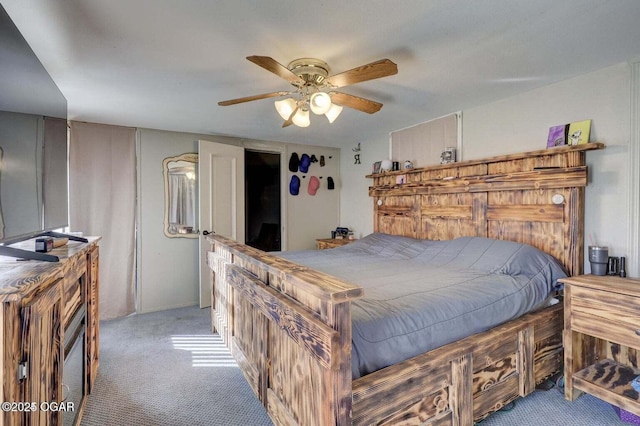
{"points": [[605, 314]]}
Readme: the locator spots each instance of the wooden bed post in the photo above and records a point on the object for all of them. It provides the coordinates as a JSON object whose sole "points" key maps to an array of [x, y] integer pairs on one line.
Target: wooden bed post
{"points": [[461, 392], [341, 320]]}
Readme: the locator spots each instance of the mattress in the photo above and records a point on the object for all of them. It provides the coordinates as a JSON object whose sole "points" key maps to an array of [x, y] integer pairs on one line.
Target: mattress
{"points": [[423, 294]]}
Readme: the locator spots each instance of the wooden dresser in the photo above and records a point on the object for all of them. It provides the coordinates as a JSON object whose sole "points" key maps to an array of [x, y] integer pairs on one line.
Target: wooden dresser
{"points": [[602, 339], [39, 300]]}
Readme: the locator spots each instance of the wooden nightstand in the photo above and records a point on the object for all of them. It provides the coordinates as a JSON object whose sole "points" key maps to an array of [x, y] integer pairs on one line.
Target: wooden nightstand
{"points": [[602, 339], [327, 243]]}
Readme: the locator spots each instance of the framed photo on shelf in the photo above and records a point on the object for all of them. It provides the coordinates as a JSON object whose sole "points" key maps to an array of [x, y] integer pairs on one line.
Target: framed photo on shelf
{"points": [[376, 167], [557, 135], [579, 132]]}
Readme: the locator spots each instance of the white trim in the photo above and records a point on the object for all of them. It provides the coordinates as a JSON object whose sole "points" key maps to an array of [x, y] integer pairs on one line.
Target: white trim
{"points": [[459, 122], [137, 294], [633, 242]]}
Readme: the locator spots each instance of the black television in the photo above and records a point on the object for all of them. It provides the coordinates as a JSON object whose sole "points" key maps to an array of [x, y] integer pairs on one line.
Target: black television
{"points": [[33, 146]]}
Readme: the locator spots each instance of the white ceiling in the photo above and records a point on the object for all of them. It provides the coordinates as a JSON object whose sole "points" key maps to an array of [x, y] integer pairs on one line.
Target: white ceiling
{"points": [[165, 64]]}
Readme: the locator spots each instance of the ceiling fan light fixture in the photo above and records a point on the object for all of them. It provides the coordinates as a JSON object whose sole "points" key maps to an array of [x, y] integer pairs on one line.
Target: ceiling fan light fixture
{"points": [[285, 107], [301, 118], [333, 112], [314, 87], [320, 103]]}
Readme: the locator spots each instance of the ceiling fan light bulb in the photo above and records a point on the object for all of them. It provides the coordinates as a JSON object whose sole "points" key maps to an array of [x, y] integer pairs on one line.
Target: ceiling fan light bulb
{"points": [[333, 112], [301, 118], [285, 107], [320, 103]]}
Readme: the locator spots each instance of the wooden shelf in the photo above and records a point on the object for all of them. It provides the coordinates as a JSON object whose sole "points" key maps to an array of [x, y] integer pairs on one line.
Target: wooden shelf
{"points": [[610, 381], [508, 157]]}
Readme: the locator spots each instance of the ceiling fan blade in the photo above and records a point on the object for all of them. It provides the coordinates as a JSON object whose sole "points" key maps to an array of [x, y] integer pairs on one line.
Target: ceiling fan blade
{"points": [[378, 69], [252, 98], [355, 102], [275, 67]]}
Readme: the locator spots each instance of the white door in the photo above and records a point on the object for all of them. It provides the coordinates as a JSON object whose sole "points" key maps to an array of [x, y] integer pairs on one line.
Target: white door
{"points": [[221, 197]]}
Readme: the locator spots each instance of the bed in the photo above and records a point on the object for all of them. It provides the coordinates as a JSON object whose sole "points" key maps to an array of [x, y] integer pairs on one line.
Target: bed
{"points": [[423, 294], [290, 327]]}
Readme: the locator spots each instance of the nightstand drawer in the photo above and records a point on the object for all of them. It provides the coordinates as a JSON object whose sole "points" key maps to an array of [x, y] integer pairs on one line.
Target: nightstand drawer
{"points": [[606, 315]]}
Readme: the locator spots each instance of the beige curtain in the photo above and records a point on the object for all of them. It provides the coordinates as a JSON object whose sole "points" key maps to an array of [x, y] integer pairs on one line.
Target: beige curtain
{"points": [[422, 144], [102, 196]]}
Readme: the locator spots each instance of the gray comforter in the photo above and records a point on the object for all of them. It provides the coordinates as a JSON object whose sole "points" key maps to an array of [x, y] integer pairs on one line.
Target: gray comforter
{"points": [[422, 294]]}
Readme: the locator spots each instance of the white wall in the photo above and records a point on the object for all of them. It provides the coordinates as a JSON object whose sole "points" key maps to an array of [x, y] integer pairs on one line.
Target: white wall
{"points": [[312, 216], [520, 124], [356, 207], [168, 274], [168, 271]]}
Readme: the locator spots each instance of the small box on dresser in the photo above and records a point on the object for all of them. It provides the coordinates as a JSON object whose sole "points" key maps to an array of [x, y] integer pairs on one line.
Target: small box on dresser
{"points": [[602, 339]]}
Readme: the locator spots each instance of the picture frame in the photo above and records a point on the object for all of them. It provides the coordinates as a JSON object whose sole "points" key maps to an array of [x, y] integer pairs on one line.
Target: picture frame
{"points": [[579, 132], [376, 167], [557, 135]]}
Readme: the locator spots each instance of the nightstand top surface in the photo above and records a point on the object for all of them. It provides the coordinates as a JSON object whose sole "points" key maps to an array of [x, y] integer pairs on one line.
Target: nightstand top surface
{"points": [[612, 283]]}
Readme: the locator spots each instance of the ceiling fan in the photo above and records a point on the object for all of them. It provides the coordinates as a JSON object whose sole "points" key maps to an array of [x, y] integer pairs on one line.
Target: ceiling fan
{"points": [[315, 89]]}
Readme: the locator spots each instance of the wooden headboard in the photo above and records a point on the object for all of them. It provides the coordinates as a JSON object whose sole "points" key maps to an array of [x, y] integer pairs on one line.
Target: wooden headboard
{"points": [[535, 198]]}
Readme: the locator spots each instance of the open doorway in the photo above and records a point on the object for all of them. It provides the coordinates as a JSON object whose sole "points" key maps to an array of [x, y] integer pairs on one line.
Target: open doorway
{"points": [[262, 200]]}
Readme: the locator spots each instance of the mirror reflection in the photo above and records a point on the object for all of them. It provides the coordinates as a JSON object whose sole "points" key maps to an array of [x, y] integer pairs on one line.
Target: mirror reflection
{"points": [[180, 204]]}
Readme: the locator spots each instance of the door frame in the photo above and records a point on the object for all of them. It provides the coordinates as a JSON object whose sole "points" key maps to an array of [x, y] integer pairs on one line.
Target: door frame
{"points": [[276, 148]]}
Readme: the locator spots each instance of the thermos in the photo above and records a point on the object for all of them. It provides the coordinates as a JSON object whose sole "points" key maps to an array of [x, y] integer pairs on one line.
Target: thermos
{"points": [[599, 259]]}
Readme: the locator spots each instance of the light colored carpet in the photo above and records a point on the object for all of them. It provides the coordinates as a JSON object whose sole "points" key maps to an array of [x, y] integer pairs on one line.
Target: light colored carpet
{"points": [[166, 368], [550, 408]]}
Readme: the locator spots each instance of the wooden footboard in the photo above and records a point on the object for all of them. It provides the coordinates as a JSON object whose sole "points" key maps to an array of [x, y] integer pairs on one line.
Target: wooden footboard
{"points": [[289, 328]]}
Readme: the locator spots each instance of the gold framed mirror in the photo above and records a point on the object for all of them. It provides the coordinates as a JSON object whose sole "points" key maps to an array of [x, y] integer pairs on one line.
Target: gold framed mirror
{"points": [[180, 196]]}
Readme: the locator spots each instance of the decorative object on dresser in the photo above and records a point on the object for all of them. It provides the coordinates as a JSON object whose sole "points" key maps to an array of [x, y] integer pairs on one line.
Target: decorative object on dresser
{"points": [[50, 343], [289, 326], [602, 339]]}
